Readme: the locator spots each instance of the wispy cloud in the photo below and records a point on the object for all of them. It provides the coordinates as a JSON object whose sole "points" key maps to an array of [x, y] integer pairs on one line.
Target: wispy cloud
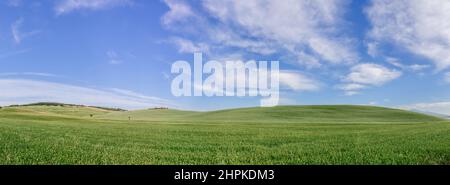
{"points": [[297, 81], [67, 6], [306, 31], [351, 93], [351, 87], [179, 11], [366, 75], [21, 91], [413, 67], [288, 81], [187, 46], [17, 34], [419, 26]]}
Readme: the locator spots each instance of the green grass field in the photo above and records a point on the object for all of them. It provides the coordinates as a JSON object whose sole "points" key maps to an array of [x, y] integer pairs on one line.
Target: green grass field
{"points": [[277, 135]]}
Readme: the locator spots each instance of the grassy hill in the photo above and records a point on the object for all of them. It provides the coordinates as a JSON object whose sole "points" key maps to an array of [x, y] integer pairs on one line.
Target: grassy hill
{"points": [[54, 110], [285, 114], [343, 134], [150, 115]]}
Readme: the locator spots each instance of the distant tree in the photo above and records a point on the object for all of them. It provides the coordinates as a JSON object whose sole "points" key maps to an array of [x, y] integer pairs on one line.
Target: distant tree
{"points": [[160, 108], [129, 117], [91, 115]]}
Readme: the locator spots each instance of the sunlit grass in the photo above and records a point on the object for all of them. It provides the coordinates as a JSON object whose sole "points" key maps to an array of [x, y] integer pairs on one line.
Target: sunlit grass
{"points": [[280, 135]]}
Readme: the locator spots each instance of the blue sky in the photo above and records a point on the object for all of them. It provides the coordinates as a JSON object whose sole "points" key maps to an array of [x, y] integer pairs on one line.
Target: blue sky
{"points": [[119, 52]]}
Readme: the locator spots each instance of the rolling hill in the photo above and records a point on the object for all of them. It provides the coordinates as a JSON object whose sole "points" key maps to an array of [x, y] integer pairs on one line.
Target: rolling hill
{"points": [[285, 114], [333, 134], [77, 111]]}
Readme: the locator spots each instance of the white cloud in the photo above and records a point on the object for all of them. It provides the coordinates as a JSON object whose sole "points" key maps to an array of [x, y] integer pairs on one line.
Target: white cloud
{"points": [[67, 6], [435, 107], [366, 75], [417, 67], [225, 37], [178, 12], [333, 50], [420, 26], [304, 30], [288, 81], [187, 46], [297, 81], [371, 74], [351, 87], [17, 34], [15, 30], [413, 67], [22, 91]]}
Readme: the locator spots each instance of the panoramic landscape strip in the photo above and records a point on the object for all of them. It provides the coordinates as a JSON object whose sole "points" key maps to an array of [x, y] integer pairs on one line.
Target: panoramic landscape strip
{"points": [[225, 83], [52, 133]]}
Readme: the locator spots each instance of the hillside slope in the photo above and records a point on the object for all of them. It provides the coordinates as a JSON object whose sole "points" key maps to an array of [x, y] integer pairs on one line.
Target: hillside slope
{"points": [[52, 110], [276, 135], [285, 114], [150, 115]]}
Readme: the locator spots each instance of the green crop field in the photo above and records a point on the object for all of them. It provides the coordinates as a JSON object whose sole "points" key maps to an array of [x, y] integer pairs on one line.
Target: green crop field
{"points": [[278, 135]]}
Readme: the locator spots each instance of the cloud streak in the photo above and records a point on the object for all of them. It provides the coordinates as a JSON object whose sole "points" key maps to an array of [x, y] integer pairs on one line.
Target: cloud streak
{"points": [[306, 31], [296, 81], [17, 34], [413, 67], [68, 6], [419, 26], [187, 46], [22, 91]]}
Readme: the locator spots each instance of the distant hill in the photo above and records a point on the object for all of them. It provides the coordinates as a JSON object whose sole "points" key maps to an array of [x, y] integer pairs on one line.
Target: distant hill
{"points": [[431, 113], [281, 114], [285, 114], [65, 105], [56, 110], [151, 114]]}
